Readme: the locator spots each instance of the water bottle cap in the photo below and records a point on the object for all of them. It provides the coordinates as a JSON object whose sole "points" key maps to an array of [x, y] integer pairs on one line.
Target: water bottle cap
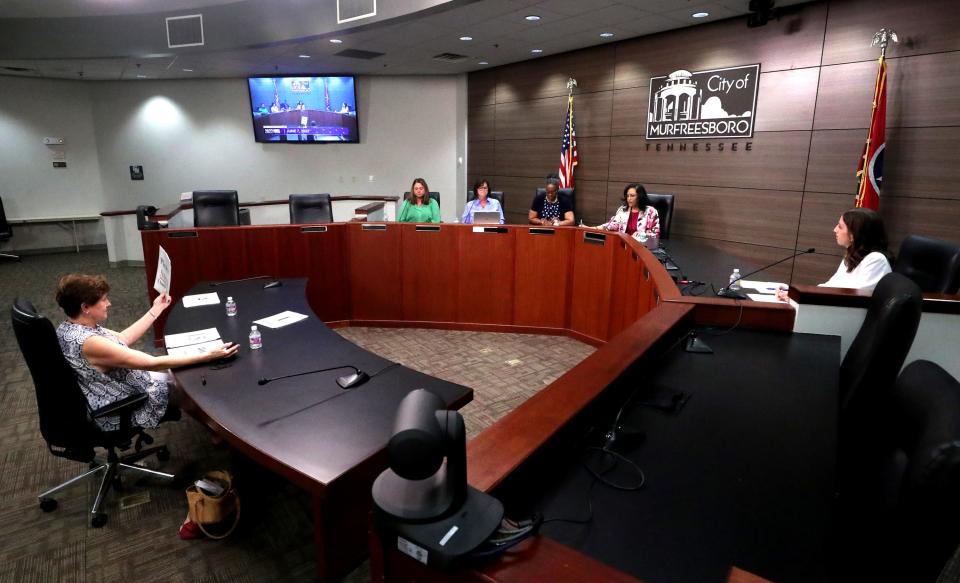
{"points": [[736, 270], [252, 328], [229, 298]]}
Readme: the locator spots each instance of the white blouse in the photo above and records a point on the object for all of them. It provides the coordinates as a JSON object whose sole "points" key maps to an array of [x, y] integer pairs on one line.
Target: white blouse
{"points": [[864, 277]]}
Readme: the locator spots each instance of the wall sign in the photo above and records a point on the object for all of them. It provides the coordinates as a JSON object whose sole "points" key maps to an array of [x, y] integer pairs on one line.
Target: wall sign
{"points": [[718, 103]]}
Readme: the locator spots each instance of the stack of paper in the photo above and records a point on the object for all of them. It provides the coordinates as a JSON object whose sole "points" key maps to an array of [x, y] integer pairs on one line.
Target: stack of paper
{"points": [[280, 320], [201, 300], [192, 343]]}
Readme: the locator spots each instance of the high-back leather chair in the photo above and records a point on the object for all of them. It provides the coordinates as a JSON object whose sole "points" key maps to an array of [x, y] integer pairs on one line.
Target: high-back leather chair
{"points": [[932, 263], [664, 205], [66, 422], [908, 506], [215, 208], [310, 208], [6, 232], [497, 194], [565, 193], [144, 223], [434, 195]]}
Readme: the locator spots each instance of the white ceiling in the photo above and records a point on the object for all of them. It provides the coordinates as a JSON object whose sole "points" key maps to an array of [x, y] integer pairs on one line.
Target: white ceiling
{"points": [[500, 34]]}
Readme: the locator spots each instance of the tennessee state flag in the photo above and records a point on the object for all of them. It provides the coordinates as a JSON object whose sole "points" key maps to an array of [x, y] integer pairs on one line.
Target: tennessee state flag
{"points": [[870, 170]]}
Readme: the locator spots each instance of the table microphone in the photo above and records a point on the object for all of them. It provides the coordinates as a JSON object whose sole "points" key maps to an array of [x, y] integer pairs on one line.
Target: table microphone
{"points": [[346, 382], [726, 292], [215, 284]]}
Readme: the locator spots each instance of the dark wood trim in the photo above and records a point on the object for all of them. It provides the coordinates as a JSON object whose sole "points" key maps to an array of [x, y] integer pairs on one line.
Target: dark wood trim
{"points": [[166, 213], [117, 213], [743, 314], [851, 298], [370, 207]]}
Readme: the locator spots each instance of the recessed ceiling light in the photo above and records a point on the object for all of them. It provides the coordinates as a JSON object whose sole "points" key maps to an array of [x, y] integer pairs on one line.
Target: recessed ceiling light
{"points": [[483, 63], [532, 17], [536, 50], [188, 70], [336, 41], [466, 38], [700, 14], [141, 76], [304, 56], [606, 34]]}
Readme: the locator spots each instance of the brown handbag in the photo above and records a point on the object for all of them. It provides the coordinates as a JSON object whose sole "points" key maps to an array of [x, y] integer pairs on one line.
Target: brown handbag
{"points": [[206, 510]]}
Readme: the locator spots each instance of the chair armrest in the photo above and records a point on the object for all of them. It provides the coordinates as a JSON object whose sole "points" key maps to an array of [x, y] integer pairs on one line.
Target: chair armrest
{"points": [[121, 407]]}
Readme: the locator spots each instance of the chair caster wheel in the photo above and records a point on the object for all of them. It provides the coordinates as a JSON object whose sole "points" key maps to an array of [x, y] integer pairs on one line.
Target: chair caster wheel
{"points": [[163, 455], [98, 520], [48, 504]]}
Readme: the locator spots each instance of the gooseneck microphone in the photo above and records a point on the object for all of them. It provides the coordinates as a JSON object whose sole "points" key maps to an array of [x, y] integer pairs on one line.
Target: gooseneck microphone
{"points": [[726, 292], [215, 284], [347, 381]]}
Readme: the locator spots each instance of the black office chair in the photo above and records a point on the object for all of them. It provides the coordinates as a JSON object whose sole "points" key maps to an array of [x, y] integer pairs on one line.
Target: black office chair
{"points": [[565, 193], [905, 514], [932, 263], [664, 205], [143, 218], [66, 422], [6, 232], [310, 208], [434, 195], [215, 208], [497, 194]]}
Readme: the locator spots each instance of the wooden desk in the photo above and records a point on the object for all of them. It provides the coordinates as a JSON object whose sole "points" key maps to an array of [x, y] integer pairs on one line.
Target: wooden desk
{"points": [[328, 441]]}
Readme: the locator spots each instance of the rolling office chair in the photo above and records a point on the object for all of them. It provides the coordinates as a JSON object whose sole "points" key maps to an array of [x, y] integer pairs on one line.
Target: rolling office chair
{"points": [[434, 195], [310, 208], [6, 232], [932, 263], [566, 193], [664, 205], [67, 424], [143, 218], [216, 208], [907, 507]]}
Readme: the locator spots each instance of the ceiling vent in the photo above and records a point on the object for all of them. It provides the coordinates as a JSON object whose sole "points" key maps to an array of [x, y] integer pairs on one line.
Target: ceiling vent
{"points": [[18, 69], [185, 31], [358, 54], [350, 10], [449, 57]]}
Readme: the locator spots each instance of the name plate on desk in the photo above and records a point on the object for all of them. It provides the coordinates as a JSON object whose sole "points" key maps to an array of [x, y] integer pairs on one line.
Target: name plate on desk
{"points": [[373, 227], [594, 238], [541, 231], [316, 229], [427, 228], [182, 234], [489, 229]]}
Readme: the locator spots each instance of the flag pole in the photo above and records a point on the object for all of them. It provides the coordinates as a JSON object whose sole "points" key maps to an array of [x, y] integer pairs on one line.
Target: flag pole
{"points": [[882, 39]]}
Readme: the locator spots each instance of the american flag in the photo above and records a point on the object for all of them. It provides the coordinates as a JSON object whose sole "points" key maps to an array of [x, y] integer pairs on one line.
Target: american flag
{"points": [[568, 151], [326, 96]]}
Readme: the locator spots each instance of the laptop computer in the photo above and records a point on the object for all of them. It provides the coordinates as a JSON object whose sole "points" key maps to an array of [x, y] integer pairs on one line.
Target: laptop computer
{"points": [[486, 218]]}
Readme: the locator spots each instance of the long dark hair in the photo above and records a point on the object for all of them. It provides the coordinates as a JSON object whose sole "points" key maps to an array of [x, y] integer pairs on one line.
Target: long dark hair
{"points": [[869, 235], [643, 201], [426, 194]]}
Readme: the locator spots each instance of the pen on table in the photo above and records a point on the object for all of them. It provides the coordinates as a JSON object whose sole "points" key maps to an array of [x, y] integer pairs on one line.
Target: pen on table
{"points": [[203, 380]]}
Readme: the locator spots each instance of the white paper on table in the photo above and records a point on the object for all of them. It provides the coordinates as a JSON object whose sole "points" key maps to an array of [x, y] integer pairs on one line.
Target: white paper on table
{"points": [[201, 300], [195, 349], [188, 338], [162, 282], [765, 298], [764, 287], [280, 320]]}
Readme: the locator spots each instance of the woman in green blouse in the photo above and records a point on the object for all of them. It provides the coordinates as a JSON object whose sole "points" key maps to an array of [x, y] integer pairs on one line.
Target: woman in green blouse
{"points": [[418, 207]]}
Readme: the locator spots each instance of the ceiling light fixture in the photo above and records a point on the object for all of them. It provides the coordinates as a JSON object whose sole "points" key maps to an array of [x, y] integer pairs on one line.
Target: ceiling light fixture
{"points": [[606, 34], [532, 17], [536, 51], [483, 63], [700, 14], [304, 56], [336, 41], [141, 76], [188, 70], [466, 38]]}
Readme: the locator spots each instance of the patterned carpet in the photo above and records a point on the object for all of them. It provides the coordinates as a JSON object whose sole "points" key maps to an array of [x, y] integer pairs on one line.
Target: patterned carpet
{"points": [[139, 543]]}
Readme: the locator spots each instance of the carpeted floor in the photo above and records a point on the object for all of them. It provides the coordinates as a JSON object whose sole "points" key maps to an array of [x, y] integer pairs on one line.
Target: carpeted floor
{"points": [[139, 543]]}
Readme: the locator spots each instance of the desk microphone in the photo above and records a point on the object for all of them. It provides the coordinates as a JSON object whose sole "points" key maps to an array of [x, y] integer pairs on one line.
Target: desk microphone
{"points": [[273, 284], [215, 284], [726, 292], [346, 382]]}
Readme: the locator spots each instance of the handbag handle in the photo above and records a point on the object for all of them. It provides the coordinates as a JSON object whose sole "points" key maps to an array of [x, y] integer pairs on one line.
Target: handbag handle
{"points": [[236, 520]]}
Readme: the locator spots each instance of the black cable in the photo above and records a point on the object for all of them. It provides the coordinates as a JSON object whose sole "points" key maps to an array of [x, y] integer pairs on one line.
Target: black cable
{"points": [[616, 457]]}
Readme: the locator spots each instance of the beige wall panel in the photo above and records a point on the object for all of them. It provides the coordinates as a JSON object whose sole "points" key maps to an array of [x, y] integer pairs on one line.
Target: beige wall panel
{"points": [[845, 96], [760, 217], [833, 160], [820, 213], [547, 77], [480, 123], [747, 257], [922, 162], [544, 118], [777, 161], [814, 268], [935, 218], [518, 192], [630, 111], [482, 88], [537, 158], [591, 202], [785, 100], [480, 159], [928, 26], [793, 42]]}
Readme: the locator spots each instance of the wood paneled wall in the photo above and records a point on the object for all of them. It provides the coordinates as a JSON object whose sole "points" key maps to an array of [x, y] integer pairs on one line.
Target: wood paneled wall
{"points": [[816, 82]]}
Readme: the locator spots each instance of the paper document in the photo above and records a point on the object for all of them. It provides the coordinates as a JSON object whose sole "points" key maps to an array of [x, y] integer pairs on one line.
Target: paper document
{"points": [[194, 349], [280, 320], [201, 300], [765, 298], [162, 282], [764, 287], [188, 338]]}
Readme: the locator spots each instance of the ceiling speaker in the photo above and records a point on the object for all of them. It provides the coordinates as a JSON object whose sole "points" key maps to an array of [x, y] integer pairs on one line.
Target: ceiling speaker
{"points": [[185, 31]]}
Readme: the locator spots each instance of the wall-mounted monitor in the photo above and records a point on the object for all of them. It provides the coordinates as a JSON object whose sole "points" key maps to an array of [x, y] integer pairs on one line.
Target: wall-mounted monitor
{"points": [[304, 110]]}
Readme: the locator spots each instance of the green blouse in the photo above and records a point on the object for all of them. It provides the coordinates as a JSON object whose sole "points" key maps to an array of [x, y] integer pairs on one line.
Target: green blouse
{"points": [[411, 213]]}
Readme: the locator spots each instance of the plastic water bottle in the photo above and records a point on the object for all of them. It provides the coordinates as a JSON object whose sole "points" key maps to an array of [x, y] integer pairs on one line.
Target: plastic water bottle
{"points": [[734, 281], [256, 341], [231, 306]]}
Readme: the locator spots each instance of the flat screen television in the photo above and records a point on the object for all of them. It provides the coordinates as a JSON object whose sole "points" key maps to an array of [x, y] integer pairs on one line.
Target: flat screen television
{"points": [[304, 110]]}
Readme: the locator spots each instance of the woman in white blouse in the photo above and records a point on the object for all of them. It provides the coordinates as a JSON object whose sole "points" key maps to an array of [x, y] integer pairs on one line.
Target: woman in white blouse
{"points": [[867, 260]]}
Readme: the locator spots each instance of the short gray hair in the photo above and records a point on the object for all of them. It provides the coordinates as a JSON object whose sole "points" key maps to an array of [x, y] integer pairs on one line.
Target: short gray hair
{"points": [[553, 179]]}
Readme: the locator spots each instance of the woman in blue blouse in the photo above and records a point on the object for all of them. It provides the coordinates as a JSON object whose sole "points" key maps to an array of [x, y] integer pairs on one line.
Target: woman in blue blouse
{"points": [[482, 202]]}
